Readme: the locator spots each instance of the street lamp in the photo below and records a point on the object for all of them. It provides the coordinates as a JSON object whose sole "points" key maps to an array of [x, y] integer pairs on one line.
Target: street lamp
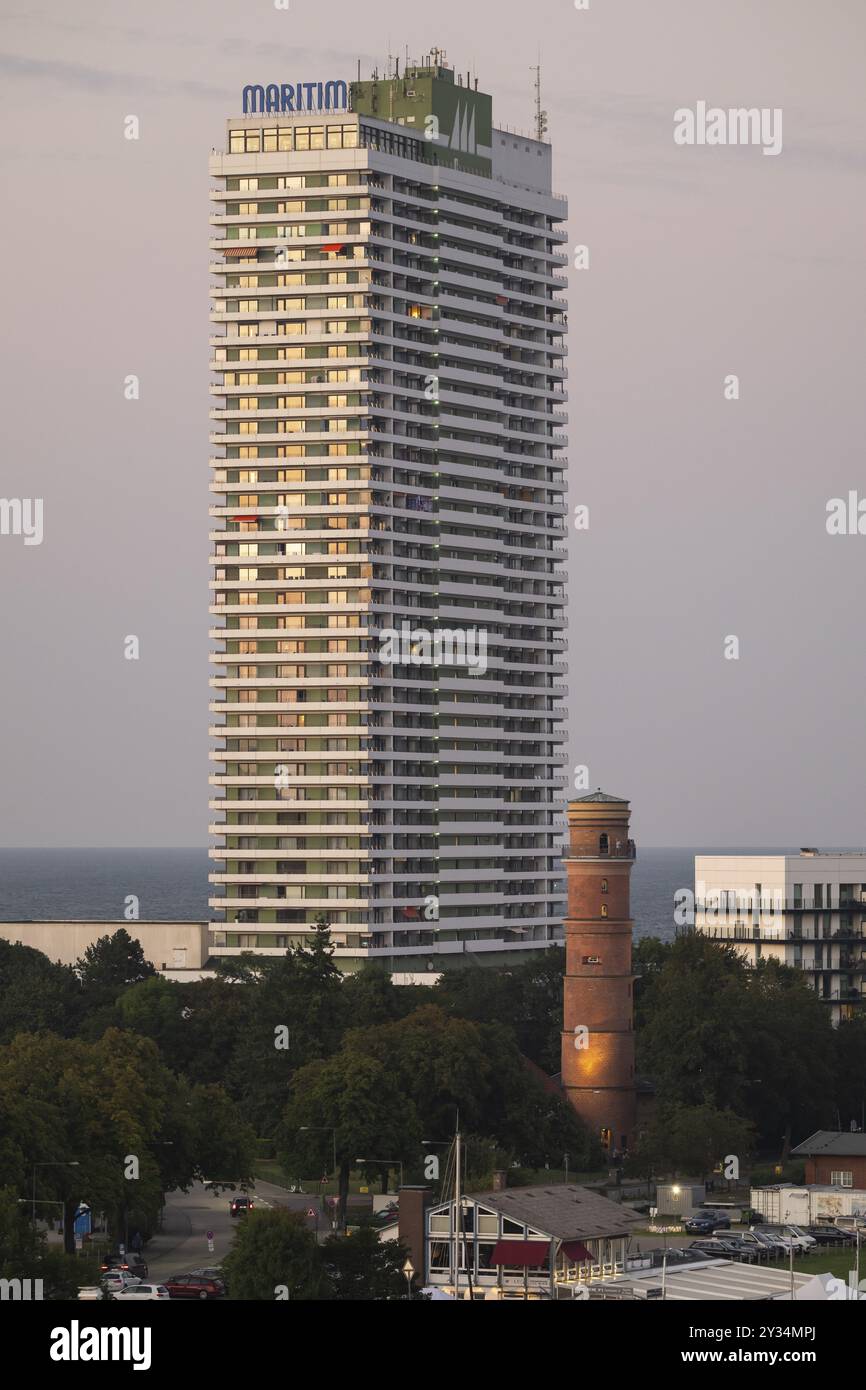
{"points": [[54, 1163], [408, 1270], [391, 1162]]}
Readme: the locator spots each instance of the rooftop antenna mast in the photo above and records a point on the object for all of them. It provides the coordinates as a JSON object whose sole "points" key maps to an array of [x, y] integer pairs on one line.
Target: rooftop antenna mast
{"points": [[540, 114]]}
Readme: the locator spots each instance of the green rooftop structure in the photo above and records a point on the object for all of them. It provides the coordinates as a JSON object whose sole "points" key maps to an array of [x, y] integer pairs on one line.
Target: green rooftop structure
{"points": [[436, 103]]}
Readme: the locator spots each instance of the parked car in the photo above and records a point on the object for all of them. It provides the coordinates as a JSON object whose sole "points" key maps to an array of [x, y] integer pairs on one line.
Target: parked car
{"points": [[211, 1272], [194, 1286], [741, 1249], [132, 1264], [700, 1225], [791, 1235], [143, 1291], [771, 1249], [119, 1279], [783, 1246], [726, 1249], [829, 1235], [801, 1233], [721, 1218], [675, 1255], [240, 1206], [709, 1249]]}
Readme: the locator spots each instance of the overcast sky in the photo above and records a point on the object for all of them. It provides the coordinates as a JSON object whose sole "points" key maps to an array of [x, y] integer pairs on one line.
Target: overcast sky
{"points": [[707, 516]]}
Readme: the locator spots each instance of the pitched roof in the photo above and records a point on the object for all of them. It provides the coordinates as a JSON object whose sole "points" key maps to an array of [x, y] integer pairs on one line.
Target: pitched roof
{"points": [[601, 796], [566, 1211], [844, 1143]]}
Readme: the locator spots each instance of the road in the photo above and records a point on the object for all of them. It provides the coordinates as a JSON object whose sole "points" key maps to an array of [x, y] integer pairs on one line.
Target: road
{"points": [[182, 1243]]}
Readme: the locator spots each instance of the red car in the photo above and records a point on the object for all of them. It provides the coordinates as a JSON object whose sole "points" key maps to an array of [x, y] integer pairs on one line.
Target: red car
{"points": [[194, 1286]]}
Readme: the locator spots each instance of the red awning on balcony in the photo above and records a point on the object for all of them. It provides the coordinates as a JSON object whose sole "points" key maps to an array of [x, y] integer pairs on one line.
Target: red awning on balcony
{"points": [[575, 1251], [239, 252], [527, 1254], [333, 246]]}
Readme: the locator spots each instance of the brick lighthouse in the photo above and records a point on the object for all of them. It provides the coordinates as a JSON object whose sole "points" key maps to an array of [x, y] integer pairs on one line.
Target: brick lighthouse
{"points": [[598, 1008]]}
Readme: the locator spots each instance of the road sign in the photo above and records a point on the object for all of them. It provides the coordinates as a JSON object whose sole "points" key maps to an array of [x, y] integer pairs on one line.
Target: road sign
{"points": [[210, 1235], [210, 1246]]}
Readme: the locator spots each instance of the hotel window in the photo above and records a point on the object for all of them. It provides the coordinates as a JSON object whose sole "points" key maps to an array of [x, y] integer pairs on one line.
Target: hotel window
{"points": [[603, 844], [604, 885], [604, 909]]}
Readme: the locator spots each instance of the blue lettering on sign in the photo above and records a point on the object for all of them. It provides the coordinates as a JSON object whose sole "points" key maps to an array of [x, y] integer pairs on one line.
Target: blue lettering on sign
{"points": [[295, 96]]}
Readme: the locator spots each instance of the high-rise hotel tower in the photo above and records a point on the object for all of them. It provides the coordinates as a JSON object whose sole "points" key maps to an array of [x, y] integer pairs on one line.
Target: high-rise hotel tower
{"points": [[388, 591]]}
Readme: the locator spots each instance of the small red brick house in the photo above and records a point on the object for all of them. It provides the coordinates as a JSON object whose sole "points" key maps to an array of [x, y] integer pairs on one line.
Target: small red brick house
{"points": [[833, 1156]]}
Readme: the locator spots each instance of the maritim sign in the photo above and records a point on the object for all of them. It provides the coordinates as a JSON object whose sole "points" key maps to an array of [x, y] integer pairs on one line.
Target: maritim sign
{"points": [[296, 96]]}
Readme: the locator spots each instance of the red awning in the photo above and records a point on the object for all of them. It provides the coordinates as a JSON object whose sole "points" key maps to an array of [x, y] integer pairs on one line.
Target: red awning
{"points": [[527, 1254], [239, 252], [575, 1251], [333, 246], [243, 516]]}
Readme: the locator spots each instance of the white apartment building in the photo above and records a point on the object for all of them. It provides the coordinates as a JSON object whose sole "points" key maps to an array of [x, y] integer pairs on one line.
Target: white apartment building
{"points": [[806, 910], [389, 534]]}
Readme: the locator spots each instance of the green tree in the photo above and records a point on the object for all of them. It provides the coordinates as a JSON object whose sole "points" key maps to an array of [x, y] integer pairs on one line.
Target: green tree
{"points": [[689, 1141], [112, 963], [35, 993], [649, 958], [791, 1054], [359, 1098], [446, 1065], [526, 998], [371, 997], [299, 999], [363, 1268], [25, 1254], [98, 1105], [850, 1068], [274, 1256], [694, 1039]]}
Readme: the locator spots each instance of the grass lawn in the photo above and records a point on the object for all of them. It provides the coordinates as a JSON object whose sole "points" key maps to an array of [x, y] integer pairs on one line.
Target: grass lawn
{"points": [[829, 1261], [268, 1170]]}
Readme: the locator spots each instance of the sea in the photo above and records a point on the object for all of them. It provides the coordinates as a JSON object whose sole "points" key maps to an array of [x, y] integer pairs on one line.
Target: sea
{"points": [[171, 884]]}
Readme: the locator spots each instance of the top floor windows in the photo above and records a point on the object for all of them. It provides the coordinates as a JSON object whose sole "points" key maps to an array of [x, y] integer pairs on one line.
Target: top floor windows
{"points": [[276, 139]]}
